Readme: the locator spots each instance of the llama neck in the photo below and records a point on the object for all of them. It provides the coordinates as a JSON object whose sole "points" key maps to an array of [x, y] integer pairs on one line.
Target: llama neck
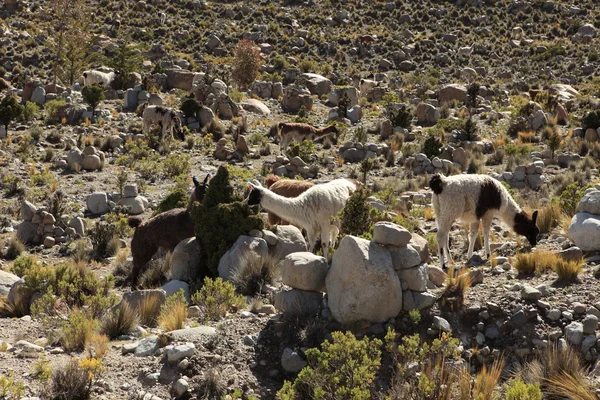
{"points": [[283, 207], [509, 210]]}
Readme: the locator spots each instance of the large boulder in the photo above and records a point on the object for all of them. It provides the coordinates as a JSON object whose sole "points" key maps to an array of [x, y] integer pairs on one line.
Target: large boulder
{"points": [[317, 84], [294, 99], [289, 240], [174, 286], [305, 271], [452, 92], [135, 205], [338, 93], [243, 248], [39, 95], [7, 280], [180, 79], [298, 301], [415, 278], [420, 244], [427, 114], [590, 203], [389, 233], [404, 257], [255, 106], [185, 260], [584, 231], [26, 232], [362, 283], [97, 203]]}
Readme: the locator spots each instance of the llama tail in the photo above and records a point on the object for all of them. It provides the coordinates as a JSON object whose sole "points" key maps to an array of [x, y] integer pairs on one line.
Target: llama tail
{"points": [[436, 183], [134, 222], [271, 179]]}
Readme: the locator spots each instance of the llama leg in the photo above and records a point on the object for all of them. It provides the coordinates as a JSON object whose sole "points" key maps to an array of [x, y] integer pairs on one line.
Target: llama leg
{"points": [[311, 239], [140, 263], [441, 240], [450, 260], [473, 229], [487, 226], [325, 234]]}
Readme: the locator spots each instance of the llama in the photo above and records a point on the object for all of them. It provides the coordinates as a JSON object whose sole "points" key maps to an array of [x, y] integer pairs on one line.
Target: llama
{"points": [[367, 39], [366, 85], [92, 77], [474, 198], [299, 132], [164, 230], [166, 118], [312, 210], [163, 18]]}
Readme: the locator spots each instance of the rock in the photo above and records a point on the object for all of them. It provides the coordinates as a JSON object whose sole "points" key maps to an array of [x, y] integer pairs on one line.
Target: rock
{"points": [[241, 145], [173, 286], [255, 106], [492, 332], [404, 257], [427, 114], [571, 254], [213, 42], [28, 347], [180, 387], [584, 231], [135, 299], [588, 342], [574, 333], [539, 120], [92, 163], [18, 293], [130, 190], [206, 116], [26, 232], [294, 99], [7, 280], [180, 79], [129, 348], [419, 243], [49, 242], [177, 353], [299, 301], [415, 278], [338, 93], [362, 283], [147, 346], [135, 205], [185, 260], [437, 275], [28, 210], [291, 361], [269, 237], [39, 95], [305, 271], [75, 159], [554, 315], [590, 324], [317, 84], [587, 30], [530, 293], [476, 276], [460, 156], [97, 203], [590, 203], [389, 233], [441, 324], [289, 240], [199, 334], [417, 300], [78, 224], [452, 92], [591, 135], [244, 247]]}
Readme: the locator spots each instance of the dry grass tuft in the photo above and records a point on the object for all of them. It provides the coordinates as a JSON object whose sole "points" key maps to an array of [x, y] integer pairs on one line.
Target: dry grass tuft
{"points": [[549, 217], [121, 321], [97, 345], [211, 386], [71, 382], [254, 273], [149, 310], [457, 285], [568, 270], [486, 380], [157, 273], [527, 137], [173, 313], [536, 262], [568, 386]]}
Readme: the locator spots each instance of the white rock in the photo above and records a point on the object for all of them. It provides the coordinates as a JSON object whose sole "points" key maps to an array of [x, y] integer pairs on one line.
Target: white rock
{"points": [[291, 361], [574, 333], [181, 351], [390, 233], [415, 278], [584, 230], [97, 203], [289, 240], [305, 271], [185, 260]]}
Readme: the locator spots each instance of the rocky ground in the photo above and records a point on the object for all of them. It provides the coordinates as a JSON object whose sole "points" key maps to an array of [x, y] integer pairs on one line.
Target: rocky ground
{"points": [[508, 89]]}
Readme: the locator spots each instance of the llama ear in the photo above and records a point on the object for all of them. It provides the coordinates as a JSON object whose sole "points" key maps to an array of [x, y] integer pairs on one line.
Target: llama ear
{"points": [[250, 185], [208, 176], [534, 216], [256, 183], [195, 180]]}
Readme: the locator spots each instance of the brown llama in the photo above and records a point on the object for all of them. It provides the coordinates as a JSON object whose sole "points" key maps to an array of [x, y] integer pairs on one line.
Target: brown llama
{"points": [[299, 132], [164, 230], [367, 39]]}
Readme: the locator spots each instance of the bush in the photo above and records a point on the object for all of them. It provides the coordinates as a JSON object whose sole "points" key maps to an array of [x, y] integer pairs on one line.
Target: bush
{"points": [[190, 107], [10, 110], [11, 389], [51, 109], [71, 382], [219, 222], [355, 216], [570, 198], [246, 63], [305, 150], [253, 273], [126, 59], [93, 95], [591, 120], [30, 111], [431, 147], [344, 369], [173, 313], [549, 217], [176, 198], [519, 390], [77, 330], [120, 321], [104, 240], [401, 117], [216, 298], [457, 285], [176, 164]]}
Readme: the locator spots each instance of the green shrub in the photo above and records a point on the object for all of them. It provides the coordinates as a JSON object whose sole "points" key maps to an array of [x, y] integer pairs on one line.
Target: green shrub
{"points": [[570, 197], [246, 63], [51, 109], [217, 297], [77, 330], [355, 216], [591, 120], [23, 265], [93, 95], [220, 190], [177, 198], [519, 390], [431, 147], [305, 150], [104, 240], [126, 59], [190, 107], [176, 164], [343, 369], [11, 389], [15, 248], [10, 110], [401, 117], [30, 111]]}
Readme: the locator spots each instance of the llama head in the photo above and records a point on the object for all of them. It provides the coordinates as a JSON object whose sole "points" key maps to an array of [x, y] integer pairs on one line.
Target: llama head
{"points": [[336, 133], [526, 226], [255, 195], [178, 129], [200, 188]]}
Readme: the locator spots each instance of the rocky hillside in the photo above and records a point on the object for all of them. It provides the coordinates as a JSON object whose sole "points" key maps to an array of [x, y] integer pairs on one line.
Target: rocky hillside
{"points": [[235, 308]]}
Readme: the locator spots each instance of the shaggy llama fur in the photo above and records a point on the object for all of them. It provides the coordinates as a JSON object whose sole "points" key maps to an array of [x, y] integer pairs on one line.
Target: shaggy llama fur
{"points": [[299, 132], [92, 77], [167, 119]]}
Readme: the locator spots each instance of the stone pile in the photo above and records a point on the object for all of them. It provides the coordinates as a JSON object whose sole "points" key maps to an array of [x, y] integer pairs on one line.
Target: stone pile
{"points": [[295, 98], [283, 166], [41, 227], [90, 159], [584, 229], [524, 176], [134, 203], [267, 90], [420, 164], [356, 152]]}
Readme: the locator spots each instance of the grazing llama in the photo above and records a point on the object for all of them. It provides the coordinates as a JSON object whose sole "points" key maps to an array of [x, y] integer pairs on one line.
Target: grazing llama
{"points": [[298, 132], [166, 118]]}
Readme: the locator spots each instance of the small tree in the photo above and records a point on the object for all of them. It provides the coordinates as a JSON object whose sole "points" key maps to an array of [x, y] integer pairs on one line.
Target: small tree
{"points": [[93, 95], [10, 109], [125, 60], [246, 63], [355, 217], [344, 105], [472, 92], [401, 117]]}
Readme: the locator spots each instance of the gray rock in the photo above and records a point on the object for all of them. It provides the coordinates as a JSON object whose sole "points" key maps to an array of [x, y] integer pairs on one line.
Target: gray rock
{"points": [[39, 95], [427, 114], [291, 361], [518, 319], [437, 275], [590, 203], [530, 293], [7, 280], [492, 332], [197, 335], [554, 315], [289, 240], [389, 233], [147, 346], [185, 260], [415, 278], [584, 231], [299, 301], [244, 247], [362, 283], [28, 210], [317, 84], [130, 190], [150, 380], [417, 300], [404, 257], [588, 342], [269, 237], [180, 387], [97, 203], [28, 347], [571, 254], [305, 271], [590, 324], [574, 333], [135, 205], [176, 353], [26, 232], [129, 348], [175, 286], [441, 324]]}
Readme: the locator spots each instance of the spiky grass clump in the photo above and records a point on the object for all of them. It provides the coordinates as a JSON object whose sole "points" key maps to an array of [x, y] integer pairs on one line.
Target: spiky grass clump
{"points": [[15, 248], [549, 217], [121, 321], [534, 263], [567, 386], [71, 381], [567, 270], [254, 273], [174, 312], [97, 345], [211, 386], [157, 273], [457, 285], [486, 380], [77, 331], [217, 297], [149, 310]]}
